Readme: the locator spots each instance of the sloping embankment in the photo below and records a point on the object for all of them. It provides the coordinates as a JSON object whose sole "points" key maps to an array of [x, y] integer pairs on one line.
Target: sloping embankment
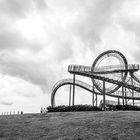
{"points": [[110, 125]]}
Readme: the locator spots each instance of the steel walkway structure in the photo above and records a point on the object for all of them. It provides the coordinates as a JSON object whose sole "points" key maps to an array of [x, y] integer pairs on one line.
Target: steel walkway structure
{"points": [[125, 83]]}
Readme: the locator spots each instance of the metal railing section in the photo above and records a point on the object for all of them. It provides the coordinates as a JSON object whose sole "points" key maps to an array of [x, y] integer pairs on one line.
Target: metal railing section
{"points": [[79, 68], [128, 94], [71, 81], [90, 88]]}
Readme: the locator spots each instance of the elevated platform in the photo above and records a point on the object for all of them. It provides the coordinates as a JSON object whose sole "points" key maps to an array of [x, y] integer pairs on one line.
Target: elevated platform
{"points": [[104, 69], [86, 71]]}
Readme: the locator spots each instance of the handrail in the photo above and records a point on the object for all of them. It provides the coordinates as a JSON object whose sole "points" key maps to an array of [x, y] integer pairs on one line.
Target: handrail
{"points": [[120, 83], [90, 88], [70, 81], [130, 67]]}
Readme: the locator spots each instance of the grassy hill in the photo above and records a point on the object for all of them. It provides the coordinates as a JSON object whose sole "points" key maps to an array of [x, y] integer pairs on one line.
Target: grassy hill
{"points": [[110, 125]]}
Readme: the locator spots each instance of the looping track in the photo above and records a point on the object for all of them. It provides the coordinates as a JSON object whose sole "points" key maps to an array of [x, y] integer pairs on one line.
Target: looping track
{"points": [[116, 75], [123, 65]]}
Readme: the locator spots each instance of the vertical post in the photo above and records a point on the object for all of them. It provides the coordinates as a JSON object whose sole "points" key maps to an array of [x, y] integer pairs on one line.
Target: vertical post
{"points": [[122, 95], [70, 96], [93, 96], [104, 95], [125, 96], [133, 99], [96, 100], [122, 90], [132, 90], [73, 89], [118, 101]]}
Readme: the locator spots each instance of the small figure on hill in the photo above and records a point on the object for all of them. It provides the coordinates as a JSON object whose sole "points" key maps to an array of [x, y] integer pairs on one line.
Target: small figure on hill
{"points": [[44, 110], [41, 110], [21, 112]]}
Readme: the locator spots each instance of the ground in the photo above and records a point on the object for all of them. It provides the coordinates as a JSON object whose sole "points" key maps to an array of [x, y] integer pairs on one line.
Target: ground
{"points": [[109, 125]]}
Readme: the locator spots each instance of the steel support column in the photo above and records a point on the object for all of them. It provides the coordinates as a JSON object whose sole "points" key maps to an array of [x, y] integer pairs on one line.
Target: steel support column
{"points": [[125, 96], [122, 95], [73, 89], [70, 96], [118, 101], [122, 89], [132, 91], [133, 99], [104, 95], [93, 96], [96, 100]]}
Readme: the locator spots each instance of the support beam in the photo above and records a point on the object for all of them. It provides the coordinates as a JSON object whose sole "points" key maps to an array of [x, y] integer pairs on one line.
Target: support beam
{"points": [[70, 96], [133, 100], [104, 95], [93, 96], [118, 101], [123, 95], [122, 89], [132, 91], [96, 100], [73, 89]]}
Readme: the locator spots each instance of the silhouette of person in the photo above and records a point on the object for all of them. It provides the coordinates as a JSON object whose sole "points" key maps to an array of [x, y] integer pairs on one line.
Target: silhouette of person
{"points": [[41, 110]]}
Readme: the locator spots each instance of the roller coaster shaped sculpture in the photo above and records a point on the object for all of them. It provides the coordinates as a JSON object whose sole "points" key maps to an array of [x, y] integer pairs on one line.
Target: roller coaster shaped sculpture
{"points": [[119, 81]]}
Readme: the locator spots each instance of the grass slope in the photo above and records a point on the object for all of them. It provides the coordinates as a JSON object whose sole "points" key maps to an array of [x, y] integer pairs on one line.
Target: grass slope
{"points": [[113, 125]]}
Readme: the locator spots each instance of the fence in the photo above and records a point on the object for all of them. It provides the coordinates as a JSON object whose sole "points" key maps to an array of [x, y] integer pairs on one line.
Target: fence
{"points": [[12, 113]]}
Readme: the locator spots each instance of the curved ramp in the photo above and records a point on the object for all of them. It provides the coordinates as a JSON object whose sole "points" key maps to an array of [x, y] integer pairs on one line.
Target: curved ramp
{"points": [[69, 82], [86, 87]]}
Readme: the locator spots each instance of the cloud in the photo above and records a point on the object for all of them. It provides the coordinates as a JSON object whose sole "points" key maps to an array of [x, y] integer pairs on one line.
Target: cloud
{"points": [[31, 71], [37, 44], [6, 103], [23, 94], [19, 9], [11, 39], [22, 50], [129, 20], [93, 18]]}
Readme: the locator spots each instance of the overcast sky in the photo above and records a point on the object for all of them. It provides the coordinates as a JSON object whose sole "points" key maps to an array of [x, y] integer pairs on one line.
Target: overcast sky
{"points": [[40, 38]]}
